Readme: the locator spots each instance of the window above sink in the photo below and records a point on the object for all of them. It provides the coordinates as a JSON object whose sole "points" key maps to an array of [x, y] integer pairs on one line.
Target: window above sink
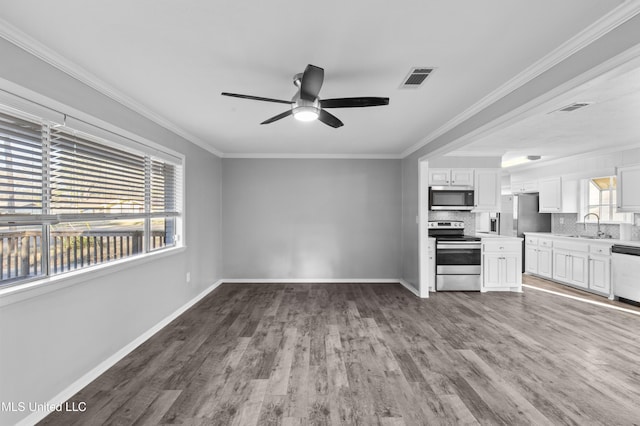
{"points": [[598, 196]]}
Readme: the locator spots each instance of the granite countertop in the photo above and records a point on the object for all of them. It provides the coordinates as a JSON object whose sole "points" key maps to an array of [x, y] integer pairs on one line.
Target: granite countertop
{"points": [[568, 237]]}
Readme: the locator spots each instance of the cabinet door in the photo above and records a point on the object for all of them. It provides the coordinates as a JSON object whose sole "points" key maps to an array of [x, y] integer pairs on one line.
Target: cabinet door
{"points": [[628, 190], [600, 274], [531, 259], [487, 190], [511, 275], [544, 262], [561, 265], [462, 177], [439, 177], [550, 195], [491, 270], [579, 269]]}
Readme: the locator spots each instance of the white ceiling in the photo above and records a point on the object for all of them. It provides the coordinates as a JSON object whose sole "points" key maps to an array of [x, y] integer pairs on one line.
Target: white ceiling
{"points": [[610, 122], [173, 58]]}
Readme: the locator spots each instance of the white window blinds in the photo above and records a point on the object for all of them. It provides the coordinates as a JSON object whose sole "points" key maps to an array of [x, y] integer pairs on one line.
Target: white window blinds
{"points": [[88, 177], [21, 172]]}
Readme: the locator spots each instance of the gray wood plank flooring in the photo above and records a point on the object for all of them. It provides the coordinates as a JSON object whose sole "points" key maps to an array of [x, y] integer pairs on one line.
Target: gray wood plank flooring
{"points": [[374, 354]]}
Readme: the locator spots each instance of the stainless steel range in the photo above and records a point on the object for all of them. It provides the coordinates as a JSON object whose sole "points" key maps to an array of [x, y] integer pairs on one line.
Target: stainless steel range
{"points": [[458, 257]]}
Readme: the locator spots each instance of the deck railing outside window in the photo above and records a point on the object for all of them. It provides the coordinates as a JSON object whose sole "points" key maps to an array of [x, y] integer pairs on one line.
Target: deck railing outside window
{"points": [[69, 200]]}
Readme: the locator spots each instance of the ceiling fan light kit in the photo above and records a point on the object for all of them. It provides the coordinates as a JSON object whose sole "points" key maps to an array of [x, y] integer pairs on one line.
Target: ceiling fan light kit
{"points": [[307, 106], [304, 110]]}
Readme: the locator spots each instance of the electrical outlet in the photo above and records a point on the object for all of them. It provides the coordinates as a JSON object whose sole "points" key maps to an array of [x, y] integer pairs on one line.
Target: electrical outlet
{"points": [[418, 220], [562, 221], [188, 277]]}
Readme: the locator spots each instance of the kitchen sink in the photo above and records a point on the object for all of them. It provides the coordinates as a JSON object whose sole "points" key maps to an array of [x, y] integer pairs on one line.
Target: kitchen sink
{"points": [[589, 237]]}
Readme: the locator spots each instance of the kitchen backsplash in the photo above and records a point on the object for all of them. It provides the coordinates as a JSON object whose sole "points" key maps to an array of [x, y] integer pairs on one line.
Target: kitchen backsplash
{"points": [[468, 218], [570, 225]]}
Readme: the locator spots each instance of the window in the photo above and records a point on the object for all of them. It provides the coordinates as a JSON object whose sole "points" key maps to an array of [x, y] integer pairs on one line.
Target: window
{"points": [[69, 200], [601, 200]]}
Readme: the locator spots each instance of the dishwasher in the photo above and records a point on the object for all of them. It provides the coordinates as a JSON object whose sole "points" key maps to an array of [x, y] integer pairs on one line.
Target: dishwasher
{"points": [[625, 268]]}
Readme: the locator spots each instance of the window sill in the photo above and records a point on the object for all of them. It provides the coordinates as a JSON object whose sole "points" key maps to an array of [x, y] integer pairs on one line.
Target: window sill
{"points": [[39, 287]]}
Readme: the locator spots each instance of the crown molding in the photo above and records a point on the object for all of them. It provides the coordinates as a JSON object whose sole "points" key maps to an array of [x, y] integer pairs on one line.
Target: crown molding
{"points": [[315, 156], [604, 25], [42, 52], [613, 19]]}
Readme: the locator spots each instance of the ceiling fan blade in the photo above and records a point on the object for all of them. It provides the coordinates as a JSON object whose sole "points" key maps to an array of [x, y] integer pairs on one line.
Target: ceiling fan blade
{"points": [[311, 83], [278, 117], [256, 98], [330, 119], [353, 102]]}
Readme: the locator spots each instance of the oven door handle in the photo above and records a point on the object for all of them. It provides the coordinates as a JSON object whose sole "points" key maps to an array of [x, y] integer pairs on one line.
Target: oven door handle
{"points": [[459, 246]]}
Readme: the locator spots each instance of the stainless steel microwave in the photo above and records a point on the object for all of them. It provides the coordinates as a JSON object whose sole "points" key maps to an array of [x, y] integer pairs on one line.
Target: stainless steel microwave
{"points": [[451, 198]]}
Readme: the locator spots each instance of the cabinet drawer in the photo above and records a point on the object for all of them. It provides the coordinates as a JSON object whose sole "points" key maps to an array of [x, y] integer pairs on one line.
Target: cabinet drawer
{"points": [[604, 250], [502, 246], [545, 243], [531, 241], [572, 246]]}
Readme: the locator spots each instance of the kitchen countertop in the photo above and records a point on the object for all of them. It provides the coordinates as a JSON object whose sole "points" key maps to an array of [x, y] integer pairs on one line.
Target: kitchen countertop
{"points": [[486, 235], [589, 240]]}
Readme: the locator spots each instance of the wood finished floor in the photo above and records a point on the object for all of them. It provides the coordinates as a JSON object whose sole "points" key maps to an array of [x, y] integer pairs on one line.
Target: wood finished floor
{"points": [[374, 354]]}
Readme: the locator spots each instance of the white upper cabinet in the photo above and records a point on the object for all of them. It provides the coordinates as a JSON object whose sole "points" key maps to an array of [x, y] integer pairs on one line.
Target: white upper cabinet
{"points": [[453, 177], [487, 190], [524, 186], [558, 195], [462, 177], [550, 195], [628, 188]]}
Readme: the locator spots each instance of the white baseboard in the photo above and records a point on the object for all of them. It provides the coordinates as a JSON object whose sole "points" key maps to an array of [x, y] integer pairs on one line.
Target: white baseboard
{"points": [[311, 280], [83, 381], [404, 283]]}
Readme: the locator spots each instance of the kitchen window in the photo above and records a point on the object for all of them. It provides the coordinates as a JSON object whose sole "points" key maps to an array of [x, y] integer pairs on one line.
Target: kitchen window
{"points": [[69, 200], [600, 198]]}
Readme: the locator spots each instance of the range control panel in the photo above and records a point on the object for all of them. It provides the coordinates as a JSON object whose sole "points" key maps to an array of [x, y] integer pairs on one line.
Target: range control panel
{"points": [[448, 224]]}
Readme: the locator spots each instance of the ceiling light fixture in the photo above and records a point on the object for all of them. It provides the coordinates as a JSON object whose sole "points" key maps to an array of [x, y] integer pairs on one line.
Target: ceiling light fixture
{"points": [[304, 110], [305, 113], [520, 160]]}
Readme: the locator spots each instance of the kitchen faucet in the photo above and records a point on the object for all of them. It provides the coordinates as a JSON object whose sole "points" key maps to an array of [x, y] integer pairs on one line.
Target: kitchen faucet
{"points": [[600, 233]]}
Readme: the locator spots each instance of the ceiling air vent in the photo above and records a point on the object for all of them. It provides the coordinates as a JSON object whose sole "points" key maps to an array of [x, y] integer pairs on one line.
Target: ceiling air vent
{"points": [[574, 106], [417, 76]]}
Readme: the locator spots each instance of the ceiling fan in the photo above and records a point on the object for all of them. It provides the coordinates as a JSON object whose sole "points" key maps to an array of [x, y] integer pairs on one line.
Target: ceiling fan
{"points": [[307, 106]]}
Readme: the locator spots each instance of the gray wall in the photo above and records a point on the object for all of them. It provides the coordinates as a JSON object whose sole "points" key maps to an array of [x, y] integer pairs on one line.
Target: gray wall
{"points": [[51, 340], [615, 42], [299, 218]]}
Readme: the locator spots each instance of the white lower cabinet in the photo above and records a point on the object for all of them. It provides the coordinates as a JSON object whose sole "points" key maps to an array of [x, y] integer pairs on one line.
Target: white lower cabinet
{"points": [[571, 267], [501, 265], [600, 273], [545, 262], [578, 262], [538, 256]]}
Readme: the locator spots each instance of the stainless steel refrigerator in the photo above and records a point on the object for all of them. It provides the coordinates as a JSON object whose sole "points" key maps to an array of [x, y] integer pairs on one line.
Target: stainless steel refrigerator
{"points": [[520, 214]]}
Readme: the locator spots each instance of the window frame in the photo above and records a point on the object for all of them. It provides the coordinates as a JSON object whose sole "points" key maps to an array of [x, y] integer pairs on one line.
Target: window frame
{"points": [[136, 145], [585, 205]]}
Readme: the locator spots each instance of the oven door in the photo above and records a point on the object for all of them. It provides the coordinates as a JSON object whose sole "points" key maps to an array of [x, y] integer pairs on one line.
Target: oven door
{"points": [[458, 258], [450, 198]]}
